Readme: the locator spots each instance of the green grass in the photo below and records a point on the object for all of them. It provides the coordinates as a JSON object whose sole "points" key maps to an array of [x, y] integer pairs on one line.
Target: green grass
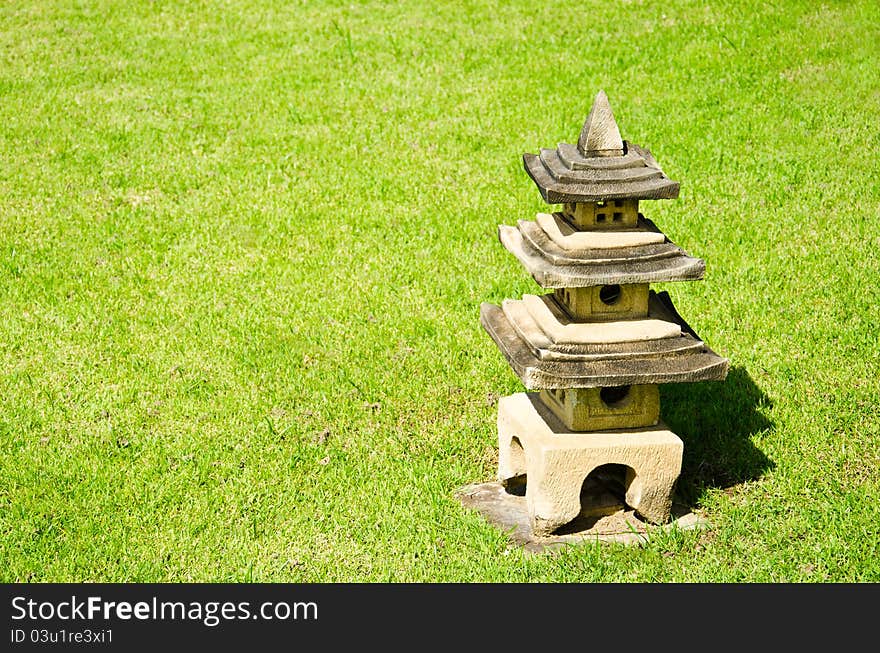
{"points": [[243, 247]]}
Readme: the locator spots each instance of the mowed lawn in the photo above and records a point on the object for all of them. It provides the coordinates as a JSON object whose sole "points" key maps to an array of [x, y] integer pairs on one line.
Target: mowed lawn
{"points": [[243, 247]]}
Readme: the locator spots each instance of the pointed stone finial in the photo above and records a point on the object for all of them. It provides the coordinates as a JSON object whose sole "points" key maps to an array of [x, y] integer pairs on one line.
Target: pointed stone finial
{"points": [[600, 135]]}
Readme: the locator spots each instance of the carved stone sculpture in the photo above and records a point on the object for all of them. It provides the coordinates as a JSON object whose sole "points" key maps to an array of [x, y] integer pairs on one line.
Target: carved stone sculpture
{"points": [[598, 344]]}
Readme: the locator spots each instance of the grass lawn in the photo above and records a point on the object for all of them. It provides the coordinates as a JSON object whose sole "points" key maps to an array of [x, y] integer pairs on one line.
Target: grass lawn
{"points": [[243, 247]]}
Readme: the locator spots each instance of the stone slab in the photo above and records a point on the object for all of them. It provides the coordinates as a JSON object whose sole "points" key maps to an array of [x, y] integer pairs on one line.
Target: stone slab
{"points": [[559, 183], [545, 349], [560, 329], [614, 524], [539, 241], [573, 159], [541, 346], [551, 275], [623, 176], [571, 240], [536, 374]]}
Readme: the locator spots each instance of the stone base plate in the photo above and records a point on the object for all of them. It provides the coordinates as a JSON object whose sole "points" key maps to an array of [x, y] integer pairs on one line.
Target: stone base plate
{"points": [[604, 518]]}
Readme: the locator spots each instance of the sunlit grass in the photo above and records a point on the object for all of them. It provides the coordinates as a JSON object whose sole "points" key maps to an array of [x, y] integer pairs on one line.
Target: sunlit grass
{"points": [[243, 247]]}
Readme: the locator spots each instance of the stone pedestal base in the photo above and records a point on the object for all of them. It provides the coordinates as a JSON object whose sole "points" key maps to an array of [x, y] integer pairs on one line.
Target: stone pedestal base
{"points": [[556, 461], [598, 409], [509, 514]]}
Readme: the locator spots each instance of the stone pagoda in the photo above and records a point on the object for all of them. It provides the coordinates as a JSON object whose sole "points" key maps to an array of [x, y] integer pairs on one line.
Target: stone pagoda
{"points": [[598, 344]]}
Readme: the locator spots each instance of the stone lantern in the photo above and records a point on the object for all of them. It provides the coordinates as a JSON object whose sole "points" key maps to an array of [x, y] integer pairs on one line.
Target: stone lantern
{"points": [[596, 346]]}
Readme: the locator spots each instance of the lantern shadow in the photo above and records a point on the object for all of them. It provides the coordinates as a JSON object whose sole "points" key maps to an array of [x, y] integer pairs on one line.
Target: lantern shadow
{"points": [[717, 422]]}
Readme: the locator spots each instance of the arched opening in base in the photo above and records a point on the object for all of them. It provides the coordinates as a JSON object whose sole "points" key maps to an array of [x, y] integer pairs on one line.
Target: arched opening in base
{"points": [[516, 485], [603, 493]]}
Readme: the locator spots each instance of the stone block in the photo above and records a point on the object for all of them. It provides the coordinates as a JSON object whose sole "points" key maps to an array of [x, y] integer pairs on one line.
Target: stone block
{"points": [[556, 461], [609, 302], [595, 409], [604, 214]]}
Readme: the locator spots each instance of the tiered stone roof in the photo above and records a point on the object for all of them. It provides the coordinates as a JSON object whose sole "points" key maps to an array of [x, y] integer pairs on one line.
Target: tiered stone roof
{"points": [[543, 344], [601, 166]]}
